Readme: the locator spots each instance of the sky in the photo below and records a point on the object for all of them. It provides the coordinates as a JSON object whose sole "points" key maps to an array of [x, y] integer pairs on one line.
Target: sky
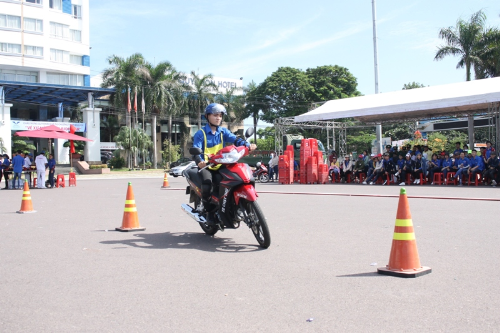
{"points": [[252, 39]]}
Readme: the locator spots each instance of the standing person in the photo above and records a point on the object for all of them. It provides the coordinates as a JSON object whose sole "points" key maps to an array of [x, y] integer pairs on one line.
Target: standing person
{"points": [[346, 168], [17, 165], [275, 162], [52, 169], [270, 167], [27, 166], [5, 166], [458, 150], [489, 149], [41, 164]]}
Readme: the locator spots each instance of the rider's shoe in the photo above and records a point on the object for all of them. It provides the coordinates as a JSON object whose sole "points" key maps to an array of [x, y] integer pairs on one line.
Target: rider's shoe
{"points": [[211, 218]]}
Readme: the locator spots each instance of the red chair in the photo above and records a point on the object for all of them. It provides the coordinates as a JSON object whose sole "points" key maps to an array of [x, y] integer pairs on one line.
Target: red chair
{"points": [[72, 179], [60, 181], [438, 178], [362, 177], [348, 179], [450, 175], [409, 178], [422, 179], [476, 181], [34, 181]]}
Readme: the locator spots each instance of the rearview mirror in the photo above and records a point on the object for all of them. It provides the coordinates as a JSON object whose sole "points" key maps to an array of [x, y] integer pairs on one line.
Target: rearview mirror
{"points": [[249, 132], [195, 151]]}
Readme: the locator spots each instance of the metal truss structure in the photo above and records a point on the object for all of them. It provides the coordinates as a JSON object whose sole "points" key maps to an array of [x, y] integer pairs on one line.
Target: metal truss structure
{"points": [[335, 132]]}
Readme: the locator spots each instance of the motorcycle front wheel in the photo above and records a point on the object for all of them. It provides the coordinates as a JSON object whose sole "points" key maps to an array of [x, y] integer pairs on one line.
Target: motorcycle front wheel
{"points": [[258, 223], [264, 177]]}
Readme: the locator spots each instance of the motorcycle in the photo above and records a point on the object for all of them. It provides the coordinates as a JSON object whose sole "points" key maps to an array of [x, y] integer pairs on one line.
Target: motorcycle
{"points": [[261, 172], [236, 201]]}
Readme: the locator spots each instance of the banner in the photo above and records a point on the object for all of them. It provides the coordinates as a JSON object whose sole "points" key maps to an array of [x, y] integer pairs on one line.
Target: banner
{"points": [[25, 125], [109, 145]]}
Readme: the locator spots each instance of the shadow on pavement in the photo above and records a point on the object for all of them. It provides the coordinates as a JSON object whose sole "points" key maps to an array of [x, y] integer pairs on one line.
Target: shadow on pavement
{"points": [[370, 274], [184, 240]]}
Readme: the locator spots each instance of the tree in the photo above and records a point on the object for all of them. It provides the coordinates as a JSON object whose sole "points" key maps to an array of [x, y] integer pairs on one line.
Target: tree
{"points": [[20, 143], [124, 139], [464, 40], [144, 142], [489, 55], [111, 126], [201, 93], [413, 85], [170, 151], [283, 94], [123, 76], [331, 82]]}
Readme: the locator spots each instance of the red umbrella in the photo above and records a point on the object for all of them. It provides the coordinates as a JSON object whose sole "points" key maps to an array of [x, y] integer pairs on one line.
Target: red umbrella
{"points": [[51, 132]]}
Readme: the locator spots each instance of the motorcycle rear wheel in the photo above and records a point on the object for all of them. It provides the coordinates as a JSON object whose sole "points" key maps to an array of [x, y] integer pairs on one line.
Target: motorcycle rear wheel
{"points": [[259, 228], [210, 230], [264, 177]]}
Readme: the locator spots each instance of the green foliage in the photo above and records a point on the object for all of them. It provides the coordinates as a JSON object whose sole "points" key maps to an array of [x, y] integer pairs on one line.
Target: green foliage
{"points": [[267, 143], [398, 131], [413, 85], [170, 151], [19, 143], [116, 162], [79, 146], [359, 142], [437, 142], [100, 166], [331, 82]]}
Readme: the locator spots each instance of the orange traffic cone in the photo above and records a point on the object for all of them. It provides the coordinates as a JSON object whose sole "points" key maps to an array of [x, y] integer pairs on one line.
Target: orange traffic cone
{"points": [[130, 219], [26, 204], [165, 181], [404, 260]]}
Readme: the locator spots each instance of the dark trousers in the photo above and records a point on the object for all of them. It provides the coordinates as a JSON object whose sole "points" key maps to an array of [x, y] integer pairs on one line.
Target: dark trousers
{"points": [[403, 175], [6, 177], [51, 178], [489, 173], [344, 174], [417, 173], [271, 173], [17, 176], [432, 172], [209, 178]]}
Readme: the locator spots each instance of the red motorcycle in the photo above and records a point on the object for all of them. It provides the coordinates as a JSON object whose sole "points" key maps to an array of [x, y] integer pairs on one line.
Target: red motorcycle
{"points": [[236, 201], [261, 172]]}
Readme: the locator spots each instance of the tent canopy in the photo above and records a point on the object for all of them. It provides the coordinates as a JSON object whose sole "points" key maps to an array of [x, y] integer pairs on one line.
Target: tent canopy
{"points": [[462, 98], [51, 132]]}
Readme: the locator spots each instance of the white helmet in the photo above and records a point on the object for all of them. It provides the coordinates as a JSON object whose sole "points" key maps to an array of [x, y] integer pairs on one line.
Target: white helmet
{"points": [[258, 164]]}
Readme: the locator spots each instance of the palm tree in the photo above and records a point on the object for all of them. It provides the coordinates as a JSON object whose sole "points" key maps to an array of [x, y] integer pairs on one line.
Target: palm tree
{"points": [[163, 83], [143, 144], [464, 40], [111, 125], [489, 55], [202, 93], [125, 139], [123, 76], [234, 105]]}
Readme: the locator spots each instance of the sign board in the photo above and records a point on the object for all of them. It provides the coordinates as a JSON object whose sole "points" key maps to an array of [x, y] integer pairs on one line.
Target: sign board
{"points": [[223, 84], [25, 125], [109, 145]]}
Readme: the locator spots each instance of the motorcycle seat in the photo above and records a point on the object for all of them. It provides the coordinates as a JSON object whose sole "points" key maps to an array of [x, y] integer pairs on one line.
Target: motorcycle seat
{"points": [[194, 175]]}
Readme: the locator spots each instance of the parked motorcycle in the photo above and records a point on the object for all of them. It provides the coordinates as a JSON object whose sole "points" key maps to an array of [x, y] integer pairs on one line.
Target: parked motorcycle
{"points": [[261, 173], [236, 201]]}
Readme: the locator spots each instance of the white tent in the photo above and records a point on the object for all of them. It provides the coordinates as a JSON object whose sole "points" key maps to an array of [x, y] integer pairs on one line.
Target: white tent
{"points": [[464, 98]]}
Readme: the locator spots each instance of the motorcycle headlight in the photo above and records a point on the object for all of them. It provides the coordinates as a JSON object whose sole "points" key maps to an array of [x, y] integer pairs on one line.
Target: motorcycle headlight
{"points": [[232, 157]]}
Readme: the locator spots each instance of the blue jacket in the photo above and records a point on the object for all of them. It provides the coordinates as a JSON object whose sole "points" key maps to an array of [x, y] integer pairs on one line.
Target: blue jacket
{"points": [[488, 152], [401, 163], [437, 162], [458, 151], [477, 162], [17, 163], [464, 161], [5, 164], [214, 139], [446, 163], [51, 163]]}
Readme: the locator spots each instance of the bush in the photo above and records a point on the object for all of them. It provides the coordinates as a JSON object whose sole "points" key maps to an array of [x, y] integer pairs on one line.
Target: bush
{"points": [[98, 166], [117, 162]]}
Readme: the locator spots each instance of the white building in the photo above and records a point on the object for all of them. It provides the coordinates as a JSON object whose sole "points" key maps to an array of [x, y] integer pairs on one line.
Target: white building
{"points": [[45, 41]]}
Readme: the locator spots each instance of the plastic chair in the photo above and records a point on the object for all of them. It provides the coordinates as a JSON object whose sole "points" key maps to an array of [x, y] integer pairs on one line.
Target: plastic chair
{"points": [[60, 181], [450, 175], [72, 179], [438, 178]]}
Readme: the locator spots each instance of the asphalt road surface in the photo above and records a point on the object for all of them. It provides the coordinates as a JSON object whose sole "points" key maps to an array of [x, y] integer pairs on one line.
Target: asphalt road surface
{"points": [[65, 269]]}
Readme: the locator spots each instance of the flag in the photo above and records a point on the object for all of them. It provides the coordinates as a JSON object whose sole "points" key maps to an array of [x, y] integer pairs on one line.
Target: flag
{"points": [[143, 106], [135, 102], [61, 110], [129, 107], [72, 130]]}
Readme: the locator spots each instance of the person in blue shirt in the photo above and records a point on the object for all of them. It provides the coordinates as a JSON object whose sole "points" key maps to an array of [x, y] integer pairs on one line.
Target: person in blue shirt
{"points": [[476, 165], [446, 165], [406, 169], [489, 149], [463, 167], [17, 165], [52, 169], [418, 169], [458, 150], [434, 166], [5, 166], [210, 139]]}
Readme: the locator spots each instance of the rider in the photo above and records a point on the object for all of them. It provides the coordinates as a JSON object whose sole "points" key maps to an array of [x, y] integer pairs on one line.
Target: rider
{"points": [[210, 139]]}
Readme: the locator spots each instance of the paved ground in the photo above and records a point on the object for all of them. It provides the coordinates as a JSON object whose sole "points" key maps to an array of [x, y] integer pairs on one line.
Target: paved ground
{"points": [[61, 271]]}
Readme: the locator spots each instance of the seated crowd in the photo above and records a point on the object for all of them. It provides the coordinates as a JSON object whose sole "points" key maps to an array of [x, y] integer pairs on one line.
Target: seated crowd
{"points": [[419, 164]]}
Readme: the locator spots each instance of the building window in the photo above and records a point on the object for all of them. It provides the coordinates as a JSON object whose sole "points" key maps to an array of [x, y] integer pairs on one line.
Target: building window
{"points": [[55, 4], [76, 35], [75, 59], [33, 50], [38, 2], [19, 76], [10, 48], [65, 79], [77, 11], [58, 30], [10, 21], [33, 25], [59, 55]]}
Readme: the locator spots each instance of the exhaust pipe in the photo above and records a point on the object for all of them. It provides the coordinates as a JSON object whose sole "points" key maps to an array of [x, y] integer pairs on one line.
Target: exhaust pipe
{"points": [[194, 215]]}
